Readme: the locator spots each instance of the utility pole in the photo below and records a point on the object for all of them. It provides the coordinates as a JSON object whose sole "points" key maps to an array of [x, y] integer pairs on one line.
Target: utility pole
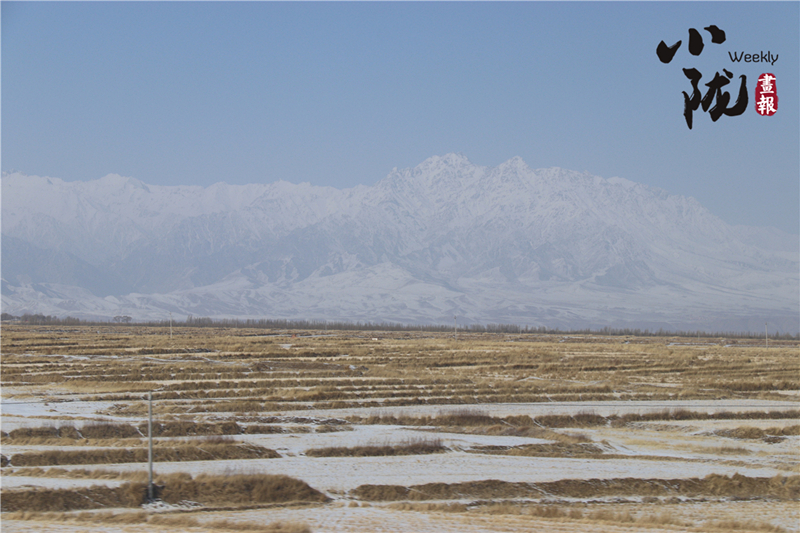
{"points": [[766, 335], [455, 328], [170, 325], [150, 446]]}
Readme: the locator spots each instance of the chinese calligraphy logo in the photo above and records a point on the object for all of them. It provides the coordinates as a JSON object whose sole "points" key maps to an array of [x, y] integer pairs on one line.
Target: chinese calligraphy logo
{"points": [[715, 101]]}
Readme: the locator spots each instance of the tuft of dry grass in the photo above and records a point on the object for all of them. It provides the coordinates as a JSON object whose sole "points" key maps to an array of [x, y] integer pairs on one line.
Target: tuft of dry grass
{"points": [[418, 447], [331, 428], [473, 421], [736, 486], [78, 473], [577, 450], [213, 451], [46, 432], [109, 430], [112, 431], [774, 434], [187, 429], [722, 450], [238, 489], [44, 500], [180, 521], [744, 525], [242, 489], [263, 429], [429, 507]]}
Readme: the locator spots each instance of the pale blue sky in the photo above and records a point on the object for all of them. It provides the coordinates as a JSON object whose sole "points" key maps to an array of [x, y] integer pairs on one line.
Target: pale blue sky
{"points": [[339, 93]]}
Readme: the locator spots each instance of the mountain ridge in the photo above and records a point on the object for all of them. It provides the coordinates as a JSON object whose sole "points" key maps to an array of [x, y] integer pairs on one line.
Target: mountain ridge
{"points": [[487, 243]]}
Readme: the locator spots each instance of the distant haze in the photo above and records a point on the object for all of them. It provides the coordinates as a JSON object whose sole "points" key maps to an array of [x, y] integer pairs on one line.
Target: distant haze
{"points": [[507, 244]]}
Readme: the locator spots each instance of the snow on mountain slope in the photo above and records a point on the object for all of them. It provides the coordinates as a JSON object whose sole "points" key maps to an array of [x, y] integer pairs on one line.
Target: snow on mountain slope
{"points": [[507, 244]]}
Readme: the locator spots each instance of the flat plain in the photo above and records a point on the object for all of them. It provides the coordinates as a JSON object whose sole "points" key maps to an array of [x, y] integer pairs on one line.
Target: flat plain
{"points": [[340, 431]]}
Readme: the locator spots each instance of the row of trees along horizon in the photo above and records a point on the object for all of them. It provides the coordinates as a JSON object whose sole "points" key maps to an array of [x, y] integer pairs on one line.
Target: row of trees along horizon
{"points": [[316, 325]]}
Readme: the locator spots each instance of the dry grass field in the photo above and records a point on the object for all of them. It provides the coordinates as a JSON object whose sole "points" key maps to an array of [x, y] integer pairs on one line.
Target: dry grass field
{"points": [[291, 431]]}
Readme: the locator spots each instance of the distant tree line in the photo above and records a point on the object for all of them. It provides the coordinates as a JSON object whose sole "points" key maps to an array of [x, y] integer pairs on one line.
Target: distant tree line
{"points": [[317, 325], [43, 320]]}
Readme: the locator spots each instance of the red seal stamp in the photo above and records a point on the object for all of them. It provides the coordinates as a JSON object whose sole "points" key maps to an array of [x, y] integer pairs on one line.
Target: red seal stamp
{"points": [[766, 95]]}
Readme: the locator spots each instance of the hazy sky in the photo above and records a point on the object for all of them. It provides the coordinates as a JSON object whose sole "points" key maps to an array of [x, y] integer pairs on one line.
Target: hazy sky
{"points": [[339, 93]]}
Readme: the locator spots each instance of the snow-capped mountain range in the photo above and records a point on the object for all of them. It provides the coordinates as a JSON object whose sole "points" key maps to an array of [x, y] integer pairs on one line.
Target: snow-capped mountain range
{"points": [[507, 244]]}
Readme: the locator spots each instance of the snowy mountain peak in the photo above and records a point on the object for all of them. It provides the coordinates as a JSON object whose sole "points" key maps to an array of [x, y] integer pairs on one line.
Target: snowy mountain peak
{"points": [[451, 159], [115, 181], [515, 163], [447, 163]]}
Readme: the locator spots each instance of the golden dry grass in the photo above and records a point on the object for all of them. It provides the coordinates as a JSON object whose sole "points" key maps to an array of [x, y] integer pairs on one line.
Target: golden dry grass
{"points": [[417, 447], [578, 450], [240, 489], [197, 452], [779, 487], [229, 370], [78, 473], [245, 376], [768, 434]]}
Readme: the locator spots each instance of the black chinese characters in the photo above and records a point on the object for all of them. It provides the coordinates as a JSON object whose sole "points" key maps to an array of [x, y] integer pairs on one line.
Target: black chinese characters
{"points": [[714, 94]]}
